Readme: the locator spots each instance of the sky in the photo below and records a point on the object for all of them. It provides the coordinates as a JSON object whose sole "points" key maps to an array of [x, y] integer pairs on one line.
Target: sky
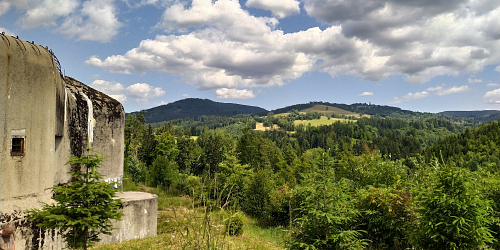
{"points": [[420, 55]]}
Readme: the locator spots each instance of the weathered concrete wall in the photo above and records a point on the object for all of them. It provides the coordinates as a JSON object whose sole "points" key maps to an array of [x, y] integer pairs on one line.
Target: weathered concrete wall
{"points": [[98, 121], [140, 218], [56, 117], [30, 88], [29, 79]]}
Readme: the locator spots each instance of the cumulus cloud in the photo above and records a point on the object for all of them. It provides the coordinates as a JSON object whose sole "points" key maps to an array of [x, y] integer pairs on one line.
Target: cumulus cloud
{"points": [[225, 93], [143, 92], [452, 90], [494, 93], [492, 84], [474, 80], [96, 21], [280, 9], [366, 93], [438, 90], [113, 89], [4, 7], [7, 32], [218, 44], [494, 96], [411, 96], [46, 13], [107, 87]]}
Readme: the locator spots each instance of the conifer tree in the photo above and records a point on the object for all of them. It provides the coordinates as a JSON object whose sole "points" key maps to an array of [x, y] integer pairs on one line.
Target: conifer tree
{"points": [[83, 208]]}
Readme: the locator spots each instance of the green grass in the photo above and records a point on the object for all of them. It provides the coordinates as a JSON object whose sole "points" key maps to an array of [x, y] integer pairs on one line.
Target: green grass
{"points": [[182, 225], [328, 110], [322, 121]]}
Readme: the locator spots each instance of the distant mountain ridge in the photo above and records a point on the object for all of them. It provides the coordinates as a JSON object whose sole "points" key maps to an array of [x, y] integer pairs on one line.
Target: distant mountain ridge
{"points": [[194, 108], [480, 115], [360, 108]]}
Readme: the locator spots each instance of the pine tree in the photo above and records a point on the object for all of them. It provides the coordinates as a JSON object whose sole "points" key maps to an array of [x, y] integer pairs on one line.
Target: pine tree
{"points": [[84, 207]]}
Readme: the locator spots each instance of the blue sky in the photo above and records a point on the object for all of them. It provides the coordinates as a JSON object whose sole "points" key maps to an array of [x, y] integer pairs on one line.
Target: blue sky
{"points": [[420, 55]]}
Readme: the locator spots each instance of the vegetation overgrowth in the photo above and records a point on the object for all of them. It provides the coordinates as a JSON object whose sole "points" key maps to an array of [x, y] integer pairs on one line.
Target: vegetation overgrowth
{"points": [[84, 208], [367, 183]]}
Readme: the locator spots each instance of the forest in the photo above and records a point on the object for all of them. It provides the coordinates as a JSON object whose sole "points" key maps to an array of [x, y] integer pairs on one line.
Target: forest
{"points": [[365, 183]]}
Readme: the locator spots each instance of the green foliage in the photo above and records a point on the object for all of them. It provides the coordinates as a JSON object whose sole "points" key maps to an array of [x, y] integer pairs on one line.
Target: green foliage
{"points": [[84, 207], [327, 212], [135, 169], [215, 144], [164, 173], [387, 214], [234, 224], [453, 214], [475, 149], [194, 108], [166, 145], [258, 195], [347, 185]]}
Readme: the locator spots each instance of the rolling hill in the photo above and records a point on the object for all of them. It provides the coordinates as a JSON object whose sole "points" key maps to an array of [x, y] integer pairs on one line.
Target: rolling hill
{"points": [[194, 108], [479, 115], [359, 108]]}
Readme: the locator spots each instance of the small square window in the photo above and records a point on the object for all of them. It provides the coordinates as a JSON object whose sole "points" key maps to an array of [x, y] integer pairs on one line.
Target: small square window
{"points": [[17, 147]]}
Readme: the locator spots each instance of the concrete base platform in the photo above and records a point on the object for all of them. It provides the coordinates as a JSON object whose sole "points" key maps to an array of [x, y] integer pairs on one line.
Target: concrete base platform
{"points": [[140, 209], [141, 213]]}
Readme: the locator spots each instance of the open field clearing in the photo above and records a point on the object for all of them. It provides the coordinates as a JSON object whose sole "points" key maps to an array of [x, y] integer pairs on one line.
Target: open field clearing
{"points": [[322, 121], [182, 225], [328, 110], [260, 126]]}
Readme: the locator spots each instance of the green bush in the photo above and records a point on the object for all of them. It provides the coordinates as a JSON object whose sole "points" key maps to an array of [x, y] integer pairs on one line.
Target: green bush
{"points": [[327, 213], [386, 216], [453, 213], [84, 208], [234, 224]]}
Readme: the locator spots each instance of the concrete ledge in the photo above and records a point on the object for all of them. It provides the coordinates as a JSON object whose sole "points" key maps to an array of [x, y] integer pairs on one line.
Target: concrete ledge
{"points": [[141, 213]]}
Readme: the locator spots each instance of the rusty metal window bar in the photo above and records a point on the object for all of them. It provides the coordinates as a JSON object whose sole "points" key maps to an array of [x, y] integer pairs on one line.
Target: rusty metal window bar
{"points": [[17, 147]]}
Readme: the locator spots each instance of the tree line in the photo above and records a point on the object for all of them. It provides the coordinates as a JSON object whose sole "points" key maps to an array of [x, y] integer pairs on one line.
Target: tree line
{"points": [[371, 183]]}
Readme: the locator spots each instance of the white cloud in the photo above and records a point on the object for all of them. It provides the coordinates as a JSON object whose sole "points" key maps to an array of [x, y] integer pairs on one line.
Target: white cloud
{"points": [[96, 21], [280, 9], [7, 32], [113, 89], [160, 103], [366, 93], [110, 88], [438, 90], [4, 7], [217, 44], [492, 84], [494, 96], [452, 90], [411, 96], [186, 95], [225, 93], [46, 13], [498, 68], [143, 92], [121, 98], [474, 80]]}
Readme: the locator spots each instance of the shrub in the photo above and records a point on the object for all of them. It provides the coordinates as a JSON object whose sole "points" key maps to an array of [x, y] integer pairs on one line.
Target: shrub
{"points": [[84, 207], [453, 214], [234, 224]]}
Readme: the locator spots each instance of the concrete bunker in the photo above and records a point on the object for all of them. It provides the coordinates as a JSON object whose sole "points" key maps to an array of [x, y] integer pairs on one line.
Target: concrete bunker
{"points": [[44, 118]]}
